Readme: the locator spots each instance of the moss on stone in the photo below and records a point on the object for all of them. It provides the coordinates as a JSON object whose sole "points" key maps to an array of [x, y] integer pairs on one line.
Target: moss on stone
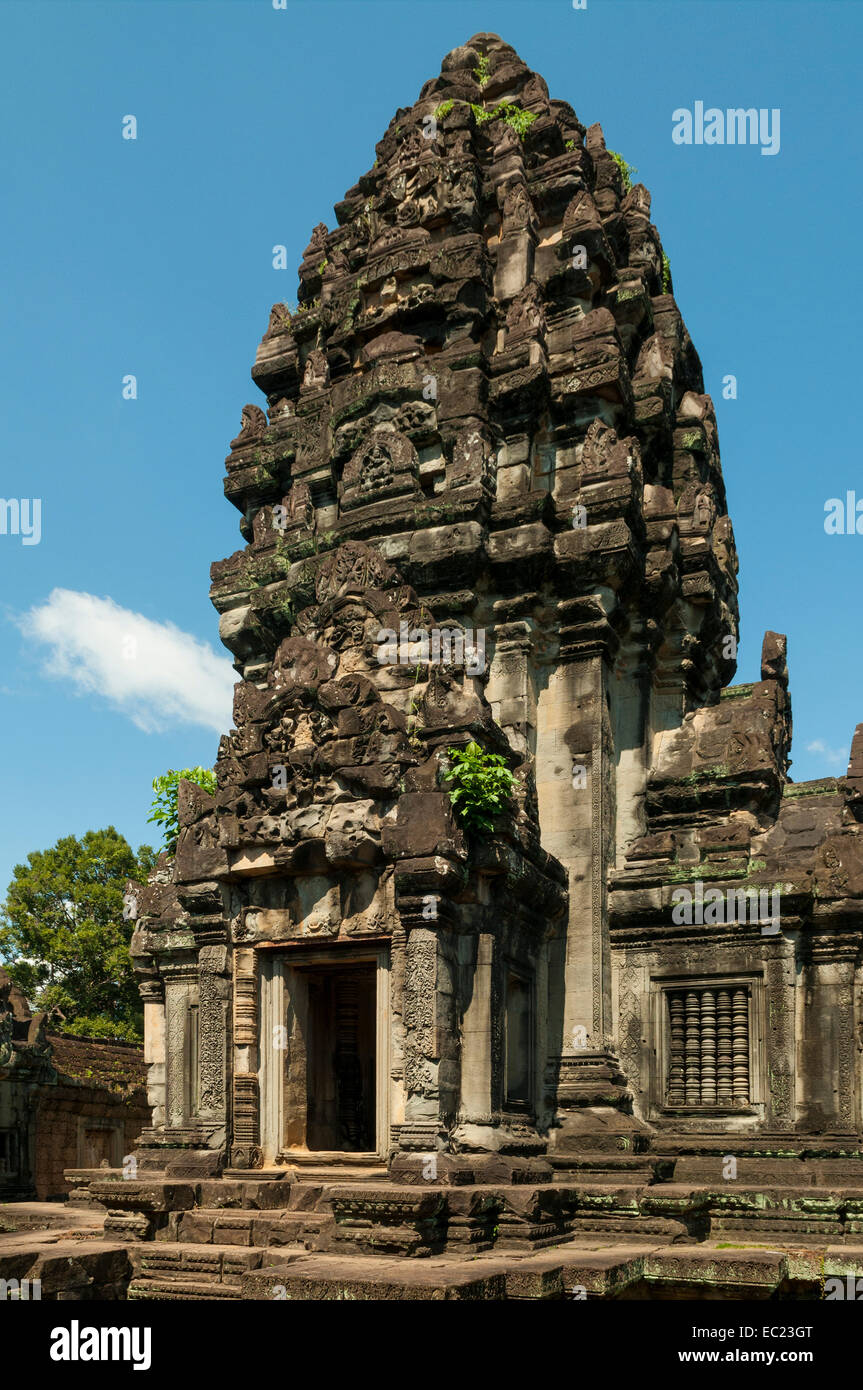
{"points": [[694, 440]]}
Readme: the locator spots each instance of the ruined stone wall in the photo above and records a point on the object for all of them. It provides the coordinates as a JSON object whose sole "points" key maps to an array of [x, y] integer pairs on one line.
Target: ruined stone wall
{"points": [[79, 1126], [65, 1102]]}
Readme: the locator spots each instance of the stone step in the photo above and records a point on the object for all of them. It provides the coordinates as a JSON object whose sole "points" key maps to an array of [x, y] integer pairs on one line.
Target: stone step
{"points": [[788, 1170], [280, 1227], [354, 1277], [617, 1270], [43, 1216], [171, 1289], [168, 1262], [631, 1170]]}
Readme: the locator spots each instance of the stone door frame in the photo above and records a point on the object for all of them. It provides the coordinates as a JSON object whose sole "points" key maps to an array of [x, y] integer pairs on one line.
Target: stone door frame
{"points": [[273, 994]]}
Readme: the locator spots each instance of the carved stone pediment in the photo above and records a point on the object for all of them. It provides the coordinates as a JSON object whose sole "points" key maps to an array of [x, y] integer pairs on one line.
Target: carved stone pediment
{"points": [[316, 374], [385, 465], [254, 422], [353, 568], [280, 321]]}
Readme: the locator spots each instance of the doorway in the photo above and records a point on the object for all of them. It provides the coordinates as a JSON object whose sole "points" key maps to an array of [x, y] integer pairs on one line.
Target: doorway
{"points": [[324, 1085], [340, 1057]]}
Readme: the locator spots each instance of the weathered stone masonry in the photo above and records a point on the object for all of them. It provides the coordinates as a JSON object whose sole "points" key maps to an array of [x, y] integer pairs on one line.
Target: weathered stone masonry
{"points": [[64, 1102]]}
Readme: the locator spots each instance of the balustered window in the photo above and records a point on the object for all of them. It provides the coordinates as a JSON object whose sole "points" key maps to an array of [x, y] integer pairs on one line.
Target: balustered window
{"points": [[708, 1053]]}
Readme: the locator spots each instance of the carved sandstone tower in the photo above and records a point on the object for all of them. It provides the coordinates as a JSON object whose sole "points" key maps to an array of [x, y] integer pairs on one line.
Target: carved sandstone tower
{"points": [[486, 428]]}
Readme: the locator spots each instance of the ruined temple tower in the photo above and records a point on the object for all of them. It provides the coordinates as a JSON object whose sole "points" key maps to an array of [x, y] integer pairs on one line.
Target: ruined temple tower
{"points": [[481, 501]]}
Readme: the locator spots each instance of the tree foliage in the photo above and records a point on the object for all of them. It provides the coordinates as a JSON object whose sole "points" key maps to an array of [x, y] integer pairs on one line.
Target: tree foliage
{"points": [[164, 810], [64, 937]]}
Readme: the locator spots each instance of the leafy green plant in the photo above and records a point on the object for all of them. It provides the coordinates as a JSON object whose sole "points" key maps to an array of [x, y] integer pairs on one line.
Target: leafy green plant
{"points": [[481, 71], [444, 109], [164, 810], [481, 786], [515, 117], [480, 114], [666, 274], [512, 115], [626, 170], [570, 144]]}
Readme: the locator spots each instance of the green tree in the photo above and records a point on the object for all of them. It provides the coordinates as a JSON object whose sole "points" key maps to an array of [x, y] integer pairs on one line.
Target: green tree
{"points": [[65, 929], [164, 810]]}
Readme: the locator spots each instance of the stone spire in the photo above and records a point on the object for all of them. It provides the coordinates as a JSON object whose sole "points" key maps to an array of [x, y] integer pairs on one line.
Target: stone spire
{"points": [[484, 506], [484, 420], [492, 320]]}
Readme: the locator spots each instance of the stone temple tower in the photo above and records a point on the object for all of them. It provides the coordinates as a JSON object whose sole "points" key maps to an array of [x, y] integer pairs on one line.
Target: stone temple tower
{"points": [[481, 502]]}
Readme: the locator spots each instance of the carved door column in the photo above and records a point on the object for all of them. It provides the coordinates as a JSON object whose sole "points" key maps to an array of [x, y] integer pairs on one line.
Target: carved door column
{"points": [[422, 1127], [153, 994], [246, 1148]]}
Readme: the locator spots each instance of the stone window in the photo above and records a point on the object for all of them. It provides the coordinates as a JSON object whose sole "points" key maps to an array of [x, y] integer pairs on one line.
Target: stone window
{"points": [[519, 1040], [708, 1045]]}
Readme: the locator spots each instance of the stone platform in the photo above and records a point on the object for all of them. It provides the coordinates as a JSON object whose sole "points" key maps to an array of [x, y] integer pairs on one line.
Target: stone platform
{"points": [[789, 1221], [579, 1268]]}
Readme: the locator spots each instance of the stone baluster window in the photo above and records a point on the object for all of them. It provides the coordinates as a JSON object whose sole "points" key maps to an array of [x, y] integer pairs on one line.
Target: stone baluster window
{"points": [[708, 1051]]}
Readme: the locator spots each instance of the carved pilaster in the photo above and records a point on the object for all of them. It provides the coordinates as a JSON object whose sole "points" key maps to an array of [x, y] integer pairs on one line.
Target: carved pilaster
{"points": [[422, 1110], [779, 978], [246, 1149], [213, 991], [180, 981]]}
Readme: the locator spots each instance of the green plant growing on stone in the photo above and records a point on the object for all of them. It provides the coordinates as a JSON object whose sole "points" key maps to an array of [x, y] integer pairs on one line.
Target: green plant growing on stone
{"points": [[666, 274], [164, 810], [515, 117], [512, 115], [481, 71], [626, 170], [480, 114], [444, 109], [570, 145], [481, 786]]}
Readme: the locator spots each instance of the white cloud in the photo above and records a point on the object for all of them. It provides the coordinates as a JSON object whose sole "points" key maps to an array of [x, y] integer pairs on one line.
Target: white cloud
{"points": [[836, 757], [153, 672]]}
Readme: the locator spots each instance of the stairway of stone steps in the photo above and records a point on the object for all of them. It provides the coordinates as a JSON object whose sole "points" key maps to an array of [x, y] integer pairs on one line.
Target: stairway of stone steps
{"points": [[182, 1270]]}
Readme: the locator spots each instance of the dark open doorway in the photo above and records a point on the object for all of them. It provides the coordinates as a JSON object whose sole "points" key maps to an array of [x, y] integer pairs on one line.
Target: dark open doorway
{"points": [[340, 1056]]}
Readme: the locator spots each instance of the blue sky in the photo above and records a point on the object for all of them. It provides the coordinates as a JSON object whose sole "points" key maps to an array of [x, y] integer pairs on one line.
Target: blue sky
{"points": [[154, 257]]}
